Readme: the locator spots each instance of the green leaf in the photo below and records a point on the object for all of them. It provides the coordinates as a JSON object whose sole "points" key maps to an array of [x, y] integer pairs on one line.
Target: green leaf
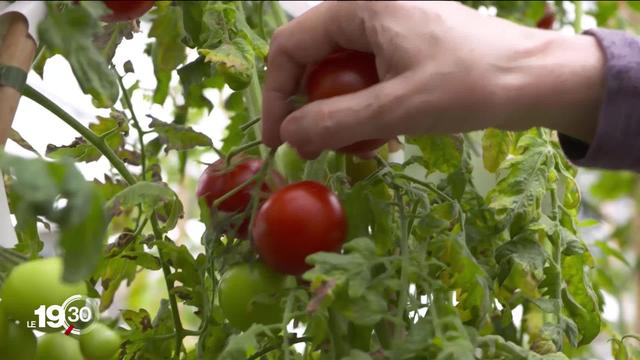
{"points": [[193, 80], [518, 194], [114, 128], [439, 152], [70, 33], [18, 139], [178, 137], [235, 60], [580, 299], [496, 145], [151, 196], [167, 52], [242, 345]]}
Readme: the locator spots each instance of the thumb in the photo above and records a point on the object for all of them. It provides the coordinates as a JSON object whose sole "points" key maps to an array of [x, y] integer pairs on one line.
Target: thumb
{"points": [[340, 121]]}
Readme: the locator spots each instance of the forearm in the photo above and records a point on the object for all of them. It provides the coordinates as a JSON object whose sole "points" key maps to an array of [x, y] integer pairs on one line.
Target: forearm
{"points": [[555, 81]]}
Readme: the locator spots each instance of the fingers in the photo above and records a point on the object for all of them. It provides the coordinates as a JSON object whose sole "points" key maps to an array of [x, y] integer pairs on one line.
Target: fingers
{"points": [[340, 121], [304, 41]]}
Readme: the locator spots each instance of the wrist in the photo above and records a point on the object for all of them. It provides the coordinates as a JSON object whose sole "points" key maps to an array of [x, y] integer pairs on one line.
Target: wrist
{"points": [[555, 81]]}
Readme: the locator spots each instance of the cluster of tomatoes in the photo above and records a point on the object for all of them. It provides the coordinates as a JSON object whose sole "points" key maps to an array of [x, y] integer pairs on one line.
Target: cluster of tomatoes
{"points": [[296, 220], [31, 285]]}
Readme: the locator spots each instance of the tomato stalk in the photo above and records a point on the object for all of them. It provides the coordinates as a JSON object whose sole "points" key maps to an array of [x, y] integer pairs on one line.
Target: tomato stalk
{"points": [[262, 174], [404, 254], [115, 161], [285, 321], [242, 148], [136, 124]]}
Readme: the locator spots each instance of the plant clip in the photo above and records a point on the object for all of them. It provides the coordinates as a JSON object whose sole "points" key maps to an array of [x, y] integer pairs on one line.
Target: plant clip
{"points": [[12, 76]]}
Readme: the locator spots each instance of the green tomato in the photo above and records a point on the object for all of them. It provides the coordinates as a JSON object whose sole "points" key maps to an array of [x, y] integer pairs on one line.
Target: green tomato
{"points": [[250, 293], [100, 343], [289, 163], [35, 283], [3, 323], [58, 346], [18, 343], [358, 169]]}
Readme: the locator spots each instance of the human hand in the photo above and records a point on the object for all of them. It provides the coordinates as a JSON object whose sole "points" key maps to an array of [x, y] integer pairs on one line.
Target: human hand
{"points": [[444, 68]]}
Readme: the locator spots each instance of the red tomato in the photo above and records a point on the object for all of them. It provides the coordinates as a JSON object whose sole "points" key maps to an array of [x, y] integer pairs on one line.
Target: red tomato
{"points": [[126, 10], [344, 72], [547, 20], [217, 180], [297, 221]]}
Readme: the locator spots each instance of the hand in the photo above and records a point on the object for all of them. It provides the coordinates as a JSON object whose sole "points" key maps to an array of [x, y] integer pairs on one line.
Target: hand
{"points": [[444, 68]]}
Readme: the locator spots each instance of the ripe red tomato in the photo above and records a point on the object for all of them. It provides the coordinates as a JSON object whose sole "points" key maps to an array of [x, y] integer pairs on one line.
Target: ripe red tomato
{"points": [[547, 20], [218, 179], [344, 72], [297, 221], [126, 10]]}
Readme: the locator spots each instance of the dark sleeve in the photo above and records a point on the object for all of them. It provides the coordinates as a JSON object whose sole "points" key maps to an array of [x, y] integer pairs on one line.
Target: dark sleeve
{"points": [[616, 144]]}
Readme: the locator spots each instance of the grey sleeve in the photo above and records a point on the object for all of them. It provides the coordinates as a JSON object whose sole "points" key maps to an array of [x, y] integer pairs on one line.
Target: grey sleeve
{"points": [[616, 144]]}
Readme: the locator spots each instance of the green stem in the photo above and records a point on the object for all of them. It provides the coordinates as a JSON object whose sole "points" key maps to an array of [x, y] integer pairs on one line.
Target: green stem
{"points": [[577, 22], [136, 124], [244, 127], [557, 253], [89, 135], [242, 148], [426, 185], [269, 349], [404, 253], [285, 322], [115, 161], [278, 14]]}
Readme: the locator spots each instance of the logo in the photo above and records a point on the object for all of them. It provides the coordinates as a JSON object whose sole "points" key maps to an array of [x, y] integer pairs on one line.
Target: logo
{"points": [[75, 316]]}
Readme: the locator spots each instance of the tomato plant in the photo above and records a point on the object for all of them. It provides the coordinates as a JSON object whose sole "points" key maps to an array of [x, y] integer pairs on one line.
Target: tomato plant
{"points": [[58, 347], [101, 343], [297, 221], [344, 72], [251, 293], [464, 246], [33, 284]]}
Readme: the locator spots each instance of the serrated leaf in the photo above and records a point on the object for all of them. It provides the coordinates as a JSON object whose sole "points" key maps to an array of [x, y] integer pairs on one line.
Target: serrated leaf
{"points": [[178, 137], [235, 60], [150, 196], [70, 33], [439, 152]]}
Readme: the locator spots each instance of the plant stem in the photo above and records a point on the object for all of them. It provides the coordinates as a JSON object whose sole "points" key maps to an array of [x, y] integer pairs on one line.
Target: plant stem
{"points": [[115, 161], [426, 185], [271, 348], [136, 124], [577, 22], [244, 147], [278, 14], [557, 253], [244, 127], [404, 253], [285, 322], [89, 135]]}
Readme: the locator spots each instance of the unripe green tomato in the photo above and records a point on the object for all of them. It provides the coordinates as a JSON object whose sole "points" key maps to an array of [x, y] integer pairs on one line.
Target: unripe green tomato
{"points": [[250, 293], [289, 163], [3, 323], [35, 283], [18, 343], [358, 169], [58, 346], [100, 343]]}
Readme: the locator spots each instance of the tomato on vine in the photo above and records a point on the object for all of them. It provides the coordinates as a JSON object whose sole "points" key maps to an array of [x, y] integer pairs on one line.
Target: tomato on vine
{"points": [[250, 293], [100, 343], [17, 343], [297, 221], [126, 10], [218, 180], [58, 346], [344, 72], [35, 283]]}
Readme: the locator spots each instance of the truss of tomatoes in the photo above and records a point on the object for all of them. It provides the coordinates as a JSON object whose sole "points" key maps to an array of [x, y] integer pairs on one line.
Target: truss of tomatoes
{"points": [[294, 222]]}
